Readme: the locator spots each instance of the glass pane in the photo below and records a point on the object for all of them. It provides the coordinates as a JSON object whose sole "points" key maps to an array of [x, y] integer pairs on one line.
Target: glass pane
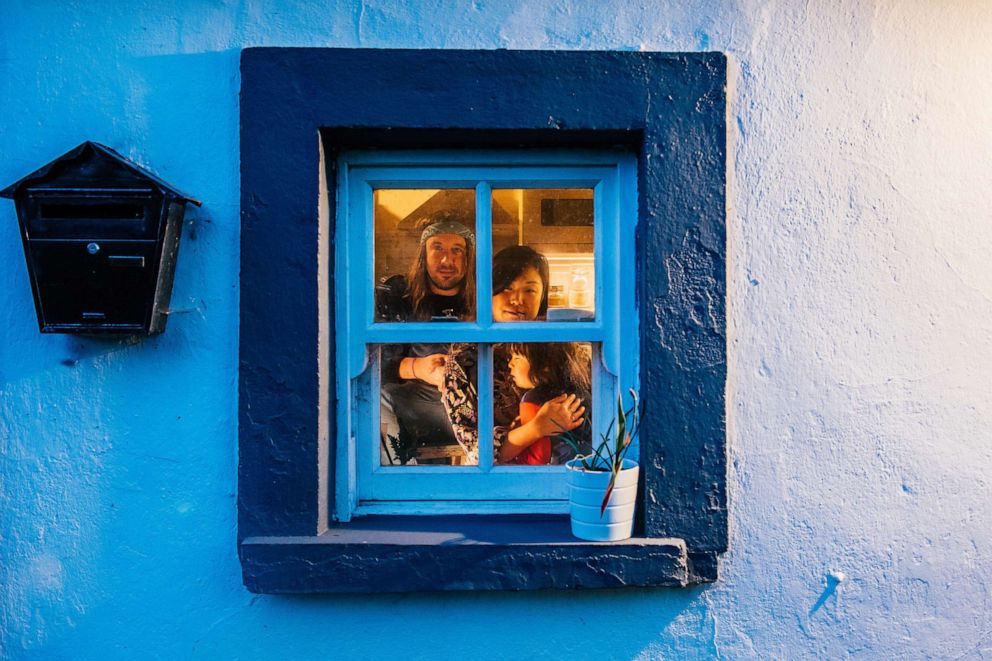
{"points": [[424, 254], [428, 404], [542, 390], [543, 265]]}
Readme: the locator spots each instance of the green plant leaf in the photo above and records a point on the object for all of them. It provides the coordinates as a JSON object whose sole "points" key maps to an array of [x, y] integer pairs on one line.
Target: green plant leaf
{"points": [[621, 421], [604, 447], [606, 496]]}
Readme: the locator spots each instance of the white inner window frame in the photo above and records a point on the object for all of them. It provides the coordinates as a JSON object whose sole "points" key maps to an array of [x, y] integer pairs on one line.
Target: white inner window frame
{"points": [[362, 486]]}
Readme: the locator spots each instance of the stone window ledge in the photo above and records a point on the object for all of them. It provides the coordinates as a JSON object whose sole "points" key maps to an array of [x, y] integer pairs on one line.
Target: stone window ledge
{"points": [[439, 553]]}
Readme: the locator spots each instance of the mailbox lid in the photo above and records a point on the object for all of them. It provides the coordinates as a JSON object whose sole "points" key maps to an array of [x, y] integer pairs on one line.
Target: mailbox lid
{"points": [[92, 214], [92, 166]]}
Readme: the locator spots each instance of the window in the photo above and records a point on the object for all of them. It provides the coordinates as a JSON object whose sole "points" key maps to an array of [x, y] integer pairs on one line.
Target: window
{"points": [[302, 111], [518, 260]]}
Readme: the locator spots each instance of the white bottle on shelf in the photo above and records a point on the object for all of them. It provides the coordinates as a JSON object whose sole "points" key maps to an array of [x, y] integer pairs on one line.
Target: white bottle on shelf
{"points": [[578, 292]]}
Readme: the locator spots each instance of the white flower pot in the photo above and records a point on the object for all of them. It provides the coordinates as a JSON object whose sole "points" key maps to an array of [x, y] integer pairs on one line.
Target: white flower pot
{"points": [[586, 490]]}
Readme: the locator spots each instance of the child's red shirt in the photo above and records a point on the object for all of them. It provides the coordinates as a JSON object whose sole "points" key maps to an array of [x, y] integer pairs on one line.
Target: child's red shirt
{"points": [[539, 452]]}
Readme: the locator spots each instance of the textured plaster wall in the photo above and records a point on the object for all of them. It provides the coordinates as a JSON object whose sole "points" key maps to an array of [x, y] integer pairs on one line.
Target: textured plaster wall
{"points": [[860, 299]]}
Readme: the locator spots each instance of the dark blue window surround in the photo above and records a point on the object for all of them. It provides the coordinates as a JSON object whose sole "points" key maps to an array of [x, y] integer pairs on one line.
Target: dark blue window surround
{"points": [[301, 105]]}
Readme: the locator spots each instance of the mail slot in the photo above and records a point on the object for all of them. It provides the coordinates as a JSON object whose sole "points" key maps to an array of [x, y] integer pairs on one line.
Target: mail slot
{"points": [[101, 236]]}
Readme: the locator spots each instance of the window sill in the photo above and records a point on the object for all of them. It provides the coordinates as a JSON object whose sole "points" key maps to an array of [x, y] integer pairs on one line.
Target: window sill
{"points": [[426, 554]]}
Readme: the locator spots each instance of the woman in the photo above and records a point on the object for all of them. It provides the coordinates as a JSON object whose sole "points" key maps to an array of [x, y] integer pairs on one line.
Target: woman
{"points": [[520, 293], [520, 285]]}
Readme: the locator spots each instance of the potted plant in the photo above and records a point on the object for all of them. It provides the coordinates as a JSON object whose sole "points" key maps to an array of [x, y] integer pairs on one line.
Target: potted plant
{"points": [[603, 483]]}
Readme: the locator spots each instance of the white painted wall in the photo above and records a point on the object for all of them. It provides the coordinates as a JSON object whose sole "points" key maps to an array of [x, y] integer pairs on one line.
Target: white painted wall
{"points": [[861, 328], [860, 376]]}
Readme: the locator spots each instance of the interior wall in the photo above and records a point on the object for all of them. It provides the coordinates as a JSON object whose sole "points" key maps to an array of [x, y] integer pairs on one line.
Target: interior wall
{"points": [[859, 229]]}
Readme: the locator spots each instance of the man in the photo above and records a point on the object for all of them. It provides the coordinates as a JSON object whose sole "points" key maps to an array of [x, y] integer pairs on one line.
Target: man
{"points": [[440, 285], [440, 282]]}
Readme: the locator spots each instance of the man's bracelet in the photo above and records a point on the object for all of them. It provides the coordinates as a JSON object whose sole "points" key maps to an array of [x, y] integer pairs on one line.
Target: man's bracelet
{"points": [[413, 367]]}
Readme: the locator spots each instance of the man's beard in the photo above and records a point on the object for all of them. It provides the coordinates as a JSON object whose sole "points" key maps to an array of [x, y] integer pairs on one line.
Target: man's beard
{"points": [[454, 289]]}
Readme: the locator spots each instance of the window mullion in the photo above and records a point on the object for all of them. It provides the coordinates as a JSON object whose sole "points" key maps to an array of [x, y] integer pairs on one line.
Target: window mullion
{"points": [[485, 407], [483, 254], [484, 319]]}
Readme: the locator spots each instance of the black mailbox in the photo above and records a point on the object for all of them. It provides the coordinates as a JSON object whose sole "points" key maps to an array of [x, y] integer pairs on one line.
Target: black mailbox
{"points": [[100, 237]]}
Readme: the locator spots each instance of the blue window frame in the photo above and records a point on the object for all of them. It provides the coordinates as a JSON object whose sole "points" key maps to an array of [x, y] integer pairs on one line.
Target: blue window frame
{"points": [[368, 487], [302, 108]]}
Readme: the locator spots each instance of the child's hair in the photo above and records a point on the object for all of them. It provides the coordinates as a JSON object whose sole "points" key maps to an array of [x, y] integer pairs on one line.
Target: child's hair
{"points": [[563, 367]]}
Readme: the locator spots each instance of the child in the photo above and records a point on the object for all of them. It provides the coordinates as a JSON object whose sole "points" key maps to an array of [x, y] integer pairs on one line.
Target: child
{"points": [[544, 371]]}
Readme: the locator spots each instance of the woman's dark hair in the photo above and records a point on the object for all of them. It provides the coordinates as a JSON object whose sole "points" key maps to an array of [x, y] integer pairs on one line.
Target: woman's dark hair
{"points": [[559, 367], [510, 262]]}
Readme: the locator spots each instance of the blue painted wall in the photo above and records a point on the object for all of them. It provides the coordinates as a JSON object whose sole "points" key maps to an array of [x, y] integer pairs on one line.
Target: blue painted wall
{"points": [[858, 409]]}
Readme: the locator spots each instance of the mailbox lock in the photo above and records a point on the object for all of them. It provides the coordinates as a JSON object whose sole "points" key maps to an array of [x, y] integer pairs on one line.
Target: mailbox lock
{"points": [[92, 248]]}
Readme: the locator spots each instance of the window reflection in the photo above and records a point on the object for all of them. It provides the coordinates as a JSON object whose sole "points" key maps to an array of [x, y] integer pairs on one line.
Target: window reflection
{"points": [[424, 254], [540, 391], [428, 399], [557, 225]]}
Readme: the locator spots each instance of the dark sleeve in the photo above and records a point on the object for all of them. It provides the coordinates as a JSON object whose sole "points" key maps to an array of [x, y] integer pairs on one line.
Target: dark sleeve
{"points": [[391, 306], [390, 357]]}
